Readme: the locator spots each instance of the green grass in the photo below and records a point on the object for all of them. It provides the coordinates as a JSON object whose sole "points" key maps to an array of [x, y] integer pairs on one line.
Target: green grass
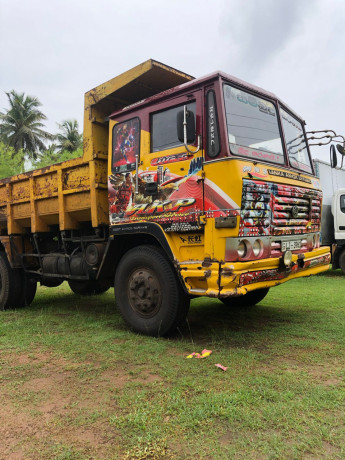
{"points": [[76, 384]]}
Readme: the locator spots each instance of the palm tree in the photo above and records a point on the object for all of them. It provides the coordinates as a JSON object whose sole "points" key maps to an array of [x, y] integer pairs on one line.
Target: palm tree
{"points": [[69, 138], [21, 125]]}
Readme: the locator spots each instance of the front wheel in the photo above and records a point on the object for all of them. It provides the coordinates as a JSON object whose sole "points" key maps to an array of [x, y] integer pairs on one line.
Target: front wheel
{"points": [[246, 300], [148, 294]]}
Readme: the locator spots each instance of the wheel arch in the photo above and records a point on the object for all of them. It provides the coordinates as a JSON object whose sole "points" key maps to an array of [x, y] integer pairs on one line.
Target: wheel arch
{"points": [[125, 237]]}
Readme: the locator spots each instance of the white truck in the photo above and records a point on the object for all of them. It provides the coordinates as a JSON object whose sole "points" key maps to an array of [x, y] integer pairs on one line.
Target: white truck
{"points": [[333, 210]]}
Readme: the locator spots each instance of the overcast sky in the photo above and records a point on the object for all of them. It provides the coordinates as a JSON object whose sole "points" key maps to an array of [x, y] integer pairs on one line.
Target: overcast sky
{"points": [[59, 49]]}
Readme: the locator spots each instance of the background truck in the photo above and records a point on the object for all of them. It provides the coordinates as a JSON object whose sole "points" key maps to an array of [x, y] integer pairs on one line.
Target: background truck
{"points": [[333, 210], [187, 187]]}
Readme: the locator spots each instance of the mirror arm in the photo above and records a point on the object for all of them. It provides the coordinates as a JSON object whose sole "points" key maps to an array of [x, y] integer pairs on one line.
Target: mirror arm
{"points": [[137, 174], [185, 111]]}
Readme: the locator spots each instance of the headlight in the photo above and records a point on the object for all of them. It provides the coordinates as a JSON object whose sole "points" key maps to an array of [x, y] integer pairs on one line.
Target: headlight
{"points": [[242, 249], [287, 258], [257, 247]]}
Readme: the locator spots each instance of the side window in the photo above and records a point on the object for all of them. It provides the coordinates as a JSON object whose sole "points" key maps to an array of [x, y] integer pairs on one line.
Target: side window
{"points": [[342, 203], [164, 128], [213, 144], [126, 145]]}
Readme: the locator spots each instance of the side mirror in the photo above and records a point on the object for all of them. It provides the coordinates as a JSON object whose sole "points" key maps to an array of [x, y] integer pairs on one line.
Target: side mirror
{"points": [[190, 120], [341, 149], [333, 156]]}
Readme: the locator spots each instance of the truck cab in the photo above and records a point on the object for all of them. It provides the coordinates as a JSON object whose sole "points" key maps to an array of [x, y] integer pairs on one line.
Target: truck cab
{"points": [[236, 199]]}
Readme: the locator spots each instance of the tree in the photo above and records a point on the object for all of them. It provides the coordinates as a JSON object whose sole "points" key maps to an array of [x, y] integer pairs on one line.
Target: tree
{"points": [[11, 162], [21, 125], [50, 156], [69, 138]]}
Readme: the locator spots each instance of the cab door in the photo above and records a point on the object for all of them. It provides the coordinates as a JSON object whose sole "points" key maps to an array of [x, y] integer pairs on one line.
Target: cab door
{"points": [[169, 177]]}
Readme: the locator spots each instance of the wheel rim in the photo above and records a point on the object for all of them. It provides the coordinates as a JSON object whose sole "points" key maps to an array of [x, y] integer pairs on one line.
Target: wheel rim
{"points": [[144, 292]]}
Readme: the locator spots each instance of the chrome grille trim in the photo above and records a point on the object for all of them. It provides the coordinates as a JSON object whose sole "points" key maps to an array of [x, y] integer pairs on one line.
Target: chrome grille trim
{"points": [[275, 209]]}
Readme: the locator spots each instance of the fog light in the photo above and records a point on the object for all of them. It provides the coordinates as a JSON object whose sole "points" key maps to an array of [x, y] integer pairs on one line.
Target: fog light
{"points": [[257, 247], [287, 258], [242, 249]]}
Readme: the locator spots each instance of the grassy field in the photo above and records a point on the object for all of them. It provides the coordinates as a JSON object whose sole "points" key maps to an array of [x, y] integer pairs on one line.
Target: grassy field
{"points": [[76, 384]]}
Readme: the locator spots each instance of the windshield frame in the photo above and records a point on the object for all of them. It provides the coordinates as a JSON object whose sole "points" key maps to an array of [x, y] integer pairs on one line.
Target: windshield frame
{"points": [[302, 123], [277, 105], [272, 101]]}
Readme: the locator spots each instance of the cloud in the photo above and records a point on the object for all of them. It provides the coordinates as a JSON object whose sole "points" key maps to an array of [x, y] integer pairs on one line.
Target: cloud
{"points": [[58, 49], [256, 31]]}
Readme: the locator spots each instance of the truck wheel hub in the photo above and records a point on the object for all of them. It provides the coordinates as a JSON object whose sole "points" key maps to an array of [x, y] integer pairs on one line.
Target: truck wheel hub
{"points": [[144, 292]]}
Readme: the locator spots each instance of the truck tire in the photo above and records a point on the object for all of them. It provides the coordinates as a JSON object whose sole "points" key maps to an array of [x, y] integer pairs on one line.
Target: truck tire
{"points": [[89, 287], [28, 291], [247, 300], [148, 293], [10, 284], [342, 261]]}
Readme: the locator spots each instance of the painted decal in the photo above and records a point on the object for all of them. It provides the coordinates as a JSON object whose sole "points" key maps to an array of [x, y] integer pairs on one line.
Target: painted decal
{"points": [[172, 200], [288, 175], [276, 274], [125, 145], [256, 154], [169, 159], [192, 239], [120, 192], [276, 209]]}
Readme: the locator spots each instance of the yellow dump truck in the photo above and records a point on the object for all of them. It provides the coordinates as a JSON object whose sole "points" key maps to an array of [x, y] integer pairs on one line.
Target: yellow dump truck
{"points": [[187, 187]]}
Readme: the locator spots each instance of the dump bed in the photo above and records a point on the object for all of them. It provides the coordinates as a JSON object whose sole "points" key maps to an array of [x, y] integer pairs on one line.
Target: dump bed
{"points": [[70, 193]]}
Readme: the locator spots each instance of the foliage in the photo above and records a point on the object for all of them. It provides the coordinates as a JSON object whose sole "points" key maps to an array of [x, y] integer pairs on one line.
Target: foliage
{"points": [[11, 162], [51, 156], [69, 138], [21, 125]]}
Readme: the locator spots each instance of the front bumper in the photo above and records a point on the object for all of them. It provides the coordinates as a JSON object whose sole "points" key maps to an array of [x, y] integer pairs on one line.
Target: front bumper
{"points": [[219, 279]]}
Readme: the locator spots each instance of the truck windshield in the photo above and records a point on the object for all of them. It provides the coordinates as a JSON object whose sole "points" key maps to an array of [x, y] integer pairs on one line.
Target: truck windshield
{"points": [[253, 129], [295, 142]]}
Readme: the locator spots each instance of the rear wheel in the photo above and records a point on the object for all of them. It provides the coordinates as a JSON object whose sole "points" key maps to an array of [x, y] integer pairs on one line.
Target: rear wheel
{"points": [[148, 294], [10, 284], [27, 292], [88, 288], [342, 261], [247, 300]]}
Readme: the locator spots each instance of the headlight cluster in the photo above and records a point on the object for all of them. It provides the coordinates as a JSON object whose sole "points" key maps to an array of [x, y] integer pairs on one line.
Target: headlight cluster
{"points": [[246, 250]]}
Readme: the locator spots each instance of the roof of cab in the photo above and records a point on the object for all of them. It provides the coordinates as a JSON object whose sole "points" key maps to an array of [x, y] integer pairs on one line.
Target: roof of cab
{"points": [[193, 84]]}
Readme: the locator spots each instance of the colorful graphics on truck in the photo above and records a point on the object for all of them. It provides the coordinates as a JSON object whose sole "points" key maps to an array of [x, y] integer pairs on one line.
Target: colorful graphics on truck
{"points": [[157, 194]]}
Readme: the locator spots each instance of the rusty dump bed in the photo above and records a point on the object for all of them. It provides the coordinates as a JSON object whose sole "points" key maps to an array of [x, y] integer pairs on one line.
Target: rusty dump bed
{"points": [[70, 193]]}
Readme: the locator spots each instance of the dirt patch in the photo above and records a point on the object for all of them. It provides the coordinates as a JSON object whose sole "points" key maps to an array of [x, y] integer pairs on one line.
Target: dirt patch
{"points": [[113, 378], [227, 438], [59, 403], [149, 378], [16, 359]]}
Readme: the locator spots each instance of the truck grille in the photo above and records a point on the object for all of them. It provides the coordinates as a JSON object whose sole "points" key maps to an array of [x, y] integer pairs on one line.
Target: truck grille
{"points": [[276, 209]]}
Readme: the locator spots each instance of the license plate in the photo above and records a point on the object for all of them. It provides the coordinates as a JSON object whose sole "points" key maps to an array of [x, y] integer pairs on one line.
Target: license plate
{"points": [[291, 245]]}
